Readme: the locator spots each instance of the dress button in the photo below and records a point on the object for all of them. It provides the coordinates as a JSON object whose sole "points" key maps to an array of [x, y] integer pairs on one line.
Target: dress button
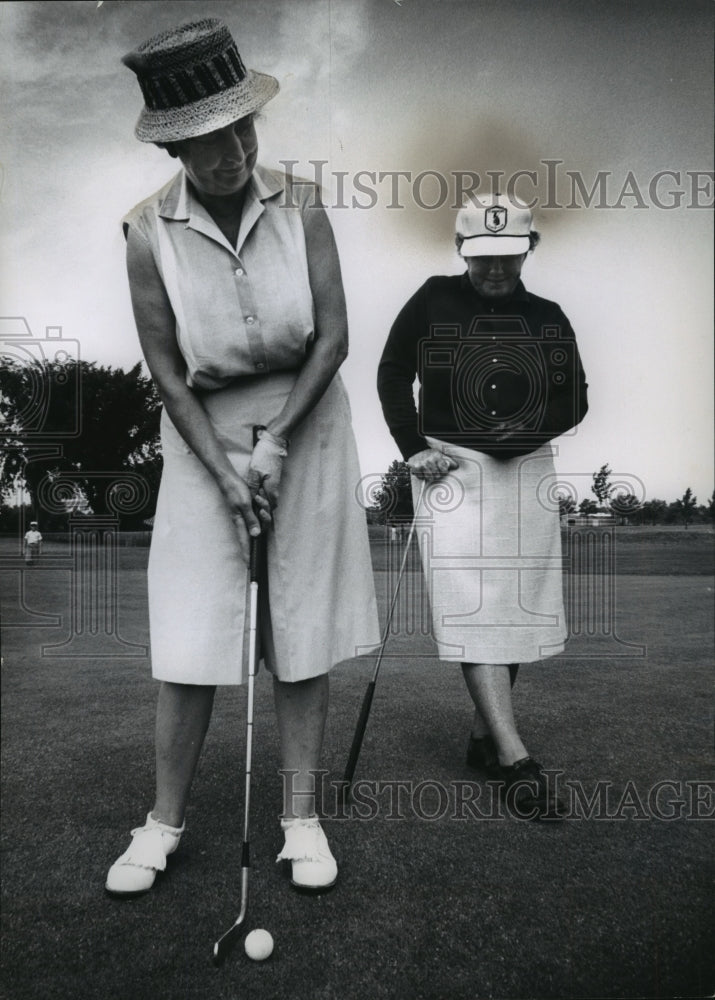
{"points": [[249, 320], [494, 413], [493, 387], [494, 361], [239, 271], [260, 366]]}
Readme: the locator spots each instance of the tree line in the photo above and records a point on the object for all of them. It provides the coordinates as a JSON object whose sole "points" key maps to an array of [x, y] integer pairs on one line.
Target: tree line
{"points": [[392, 502], [628, 509], [81, 434], [93, 429]]}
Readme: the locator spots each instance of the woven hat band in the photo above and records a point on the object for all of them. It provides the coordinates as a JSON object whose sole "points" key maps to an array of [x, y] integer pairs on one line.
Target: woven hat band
{"points": [[194, 81], [190, 83]]}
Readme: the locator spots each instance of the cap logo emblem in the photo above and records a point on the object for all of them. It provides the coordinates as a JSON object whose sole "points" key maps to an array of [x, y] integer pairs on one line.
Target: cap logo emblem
{"points": [[495, 219]]}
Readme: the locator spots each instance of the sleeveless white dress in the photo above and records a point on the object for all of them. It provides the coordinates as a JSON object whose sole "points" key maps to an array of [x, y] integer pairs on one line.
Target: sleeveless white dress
{"points": [[244, 321]]}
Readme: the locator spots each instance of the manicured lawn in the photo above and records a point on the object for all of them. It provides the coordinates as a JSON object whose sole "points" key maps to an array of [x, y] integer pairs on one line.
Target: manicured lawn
{"points": [[462, 905]]}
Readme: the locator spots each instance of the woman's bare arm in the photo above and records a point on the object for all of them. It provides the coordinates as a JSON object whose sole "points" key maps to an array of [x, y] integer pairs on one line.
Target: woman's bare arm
{"points": [[330, 346]]}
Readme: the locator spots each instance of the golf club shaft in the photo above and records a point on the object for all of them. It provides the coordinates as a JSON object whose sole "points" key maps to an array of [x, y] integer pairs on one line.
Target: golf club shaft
{"points": [[369, 693], [252, 663], [227, 941]]}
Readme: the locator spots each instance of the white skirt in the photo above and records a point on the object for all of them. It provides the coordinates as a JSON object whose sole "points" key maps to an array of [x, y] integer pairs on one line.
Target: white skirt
{"points": [[321, 595], [491, 553]]}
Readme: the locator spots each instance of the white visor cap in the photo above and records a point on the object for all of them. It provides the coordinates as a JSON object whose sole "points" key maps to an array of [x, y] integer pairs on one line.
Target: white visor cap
{"points": [[495, 227]]}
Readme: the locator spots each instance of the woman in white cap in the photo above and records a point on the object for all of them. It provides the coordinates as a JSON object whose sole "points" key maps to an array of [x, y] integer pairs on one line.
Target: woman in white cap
{"points": [[500, 377], [238, 301], [32, 544]]}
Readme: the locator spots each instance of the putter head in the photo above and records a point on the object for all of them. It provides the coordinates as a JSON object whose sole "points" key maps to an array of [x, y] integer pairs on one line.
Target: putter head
{"points": [[227, 942]]}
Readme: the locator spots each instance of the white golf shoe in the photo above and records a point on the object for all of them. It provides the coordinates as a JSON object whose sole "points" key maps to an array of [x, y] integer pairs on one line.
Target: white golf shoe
{"points": [[135, 871], [314, 868]]}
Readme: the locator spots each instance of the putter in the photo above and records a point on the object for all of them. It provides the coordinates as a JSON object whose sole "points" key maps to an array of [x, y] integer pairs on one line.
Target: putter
{"points": [[370, 691], [227, 941]]}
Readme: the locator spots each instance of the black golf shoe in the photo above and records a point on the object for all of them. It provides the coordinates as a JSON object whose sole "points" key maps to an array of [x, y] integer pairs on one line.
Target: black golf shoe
{"points": [[528, 793], [482, 756]]}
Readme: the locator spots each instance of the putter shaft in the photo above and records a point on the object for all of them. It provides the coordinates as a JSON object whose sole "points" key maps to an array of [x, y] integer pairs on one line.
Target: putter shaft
{"points": [[356, 745], [226, 942]]}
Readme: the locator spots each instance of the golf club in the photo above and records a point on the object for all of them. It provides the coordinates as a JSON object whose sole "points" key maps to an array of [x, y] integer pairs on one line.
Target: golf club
{"points": [[227, 941], [369, 693]]}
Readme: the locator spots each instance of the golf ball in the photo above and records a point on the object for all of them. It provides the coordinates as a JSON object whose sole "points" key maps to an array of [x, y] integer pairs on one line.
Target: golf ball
{"points": [[259, 945]]}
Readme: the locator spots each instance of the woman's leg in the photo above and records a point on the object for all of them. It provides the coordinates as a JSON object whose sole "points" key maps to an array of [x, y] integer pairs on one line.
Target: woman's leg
{"points": [[489, 684], [480, 727], [182, 718], [301, 710]]}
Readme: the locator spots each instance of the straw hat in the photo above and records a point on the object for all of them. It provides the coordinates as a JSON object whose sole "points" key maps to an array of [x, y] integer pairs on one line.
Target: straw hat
{"points": [[194, 81]]}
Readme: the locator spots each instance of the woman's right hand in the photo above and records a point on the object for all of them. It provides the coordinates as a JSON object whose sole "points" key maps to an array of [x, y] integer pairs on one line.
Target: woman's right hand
{"points": [[431, 465], [250, 514]]}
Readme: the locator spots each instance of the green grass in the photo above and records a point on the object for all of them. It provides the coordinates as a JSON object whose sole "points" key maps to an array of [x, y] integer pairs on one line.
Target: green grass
{"points": [[449, 908]]}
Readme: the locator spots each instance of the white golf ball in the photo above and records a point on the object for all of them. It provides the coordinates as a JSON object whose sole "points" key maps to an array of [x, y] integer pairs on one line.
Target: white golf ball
{"points": [[258, 945]]}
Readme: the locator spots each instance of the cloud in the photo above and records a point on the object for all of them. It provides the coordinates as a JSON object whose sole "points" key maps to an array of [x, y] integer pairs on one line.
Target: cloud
{"points": [[324, 38]]}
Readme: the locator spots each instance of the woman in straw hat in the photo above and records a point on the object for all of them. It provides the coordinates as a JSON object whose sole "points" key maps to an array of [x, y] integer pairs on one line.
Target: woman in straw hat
{"points": [[500, 376], [238, 300]]}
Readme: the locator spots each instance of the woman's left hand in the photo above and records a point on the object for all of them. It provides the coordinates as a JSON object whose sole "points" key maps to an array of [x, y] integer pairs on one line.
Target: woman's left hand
{"points": [[266, 466], [431, 465]]}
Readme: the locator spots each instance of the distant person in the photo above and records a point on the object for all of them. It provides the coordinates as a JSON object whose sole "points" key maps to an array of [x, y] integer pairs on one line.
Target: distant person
{"points": [[32, 544], [238, 300], [500, 377]]}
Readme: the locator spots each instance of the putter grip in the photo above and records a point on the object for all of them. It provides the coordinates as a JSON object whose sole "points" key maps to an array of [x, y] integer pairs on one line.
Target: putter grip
{"points": [[254, 557], [255, 543], [359, 733]]}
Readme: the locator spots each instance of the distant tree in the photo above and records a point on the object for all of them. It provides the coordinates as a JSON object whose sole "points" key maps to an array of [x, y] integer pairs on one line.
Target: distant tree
{"points": [[13, 517], [588, 506], [710, 509], [625, 506], [672, 513], [654, 511], [392, 500], [601, 487], [686, 506], [567, 504], [112, 422]]}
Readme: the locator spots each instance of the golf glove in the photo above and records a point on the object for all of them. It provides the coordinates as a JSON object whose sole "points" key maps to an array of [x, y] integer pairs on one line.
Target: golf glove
{"points": [[266, 466]]}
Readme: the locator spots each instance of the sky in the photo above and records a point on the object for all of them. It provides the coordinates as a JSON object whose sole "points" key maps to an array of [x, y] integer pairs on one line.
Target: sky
{"points": [[601, 113]]}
